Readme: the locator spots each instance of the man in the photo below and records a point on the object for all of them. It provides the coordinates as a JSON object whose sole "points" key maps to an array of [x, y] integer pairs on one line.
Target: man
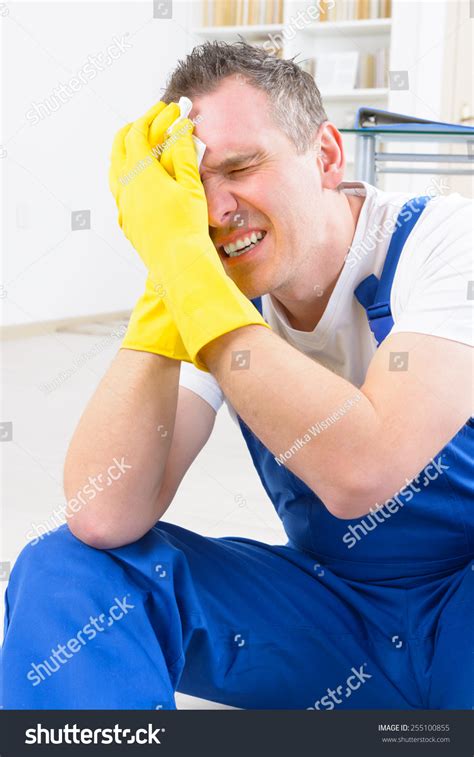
{"points": [[362, 440]]}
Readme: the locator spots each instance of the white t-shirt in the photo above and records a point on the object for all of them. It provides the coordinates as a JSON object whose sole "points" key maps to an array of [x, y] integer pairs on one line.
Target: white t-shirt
{"points": [[429, 293]]}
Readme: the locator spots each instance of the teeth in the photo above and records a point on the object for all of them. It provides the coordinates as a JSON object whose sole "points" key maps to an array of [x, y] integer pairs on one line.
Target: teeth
{"points": [[242, 252], [239, 244]]}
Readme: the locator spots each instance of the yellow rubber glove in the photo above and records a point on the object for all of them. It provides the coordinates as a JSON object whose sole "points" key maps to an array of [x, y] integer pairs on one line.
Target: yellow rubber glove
{"points": [[151, 327], [166, 220]]}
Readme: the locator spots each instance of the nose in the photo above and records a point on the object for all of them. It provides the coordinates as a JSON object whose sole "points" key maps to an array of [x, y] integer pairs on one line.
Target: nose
{"points": [[221, 203]]}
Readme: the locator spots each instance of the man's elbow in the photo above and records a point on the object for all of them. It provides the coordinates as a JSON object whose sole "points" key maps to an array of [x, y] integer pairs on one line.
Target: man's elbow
{"points": [[94, 533], [353, 496], [109, 527]]}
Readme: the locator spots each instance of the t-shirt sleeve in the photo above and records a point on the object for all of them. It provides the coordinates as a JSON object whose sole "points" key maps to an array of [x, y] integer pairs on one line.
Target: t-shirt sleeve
{"points": [[432, 289], [202, 384]]}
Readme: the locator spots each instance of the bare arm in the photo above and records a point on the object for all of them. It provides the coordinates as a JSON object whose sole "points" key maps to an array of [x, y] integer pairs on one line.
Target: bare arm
{"points": [[384, 433], [135, 441]]}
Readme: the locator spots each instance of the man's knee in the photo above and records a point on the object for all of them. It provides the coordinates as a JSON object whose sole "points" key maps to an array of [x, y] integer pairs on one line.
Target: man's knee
{"points": [[57, 553]]}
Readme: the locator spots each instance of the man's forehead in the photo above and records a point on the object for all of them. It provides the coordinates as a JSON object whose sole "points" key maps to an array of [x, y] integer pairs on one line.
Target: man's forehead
{"points": [[235, 124], [233, 114], [232, 97]]}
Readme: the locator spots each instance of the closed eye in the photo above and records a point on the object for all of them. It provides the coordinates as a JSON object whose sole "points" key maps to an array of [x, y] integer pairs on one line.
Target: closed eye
{"points": [[240, 170]]}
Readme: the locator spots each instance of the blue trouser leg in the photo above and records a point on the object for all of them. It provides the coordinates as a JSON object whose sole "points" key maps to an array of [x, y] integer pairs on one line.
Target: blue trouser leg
{"points": [[452, 665], [57, 592], [231, 620]]}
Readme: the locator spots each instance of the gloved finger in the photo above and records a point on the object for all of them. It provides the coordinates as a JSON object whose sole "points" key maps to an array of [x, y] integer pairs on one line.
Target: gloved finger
{"points": [[117, 158], [136, 141], [157, 135], [167, 163], [183, 155], [118, 145], [161, 122]]}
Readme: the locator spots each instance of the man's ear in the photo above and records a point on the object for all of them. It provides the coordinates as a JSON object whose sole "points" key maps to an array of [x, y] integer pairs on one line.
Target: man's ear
{"points": [[330, 155]]}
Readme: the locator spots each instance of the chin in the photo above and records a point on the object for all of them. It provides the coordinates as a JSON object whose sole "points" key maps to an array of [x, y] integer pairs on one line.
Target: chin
{"points": [[253, 284], [250, 289]]}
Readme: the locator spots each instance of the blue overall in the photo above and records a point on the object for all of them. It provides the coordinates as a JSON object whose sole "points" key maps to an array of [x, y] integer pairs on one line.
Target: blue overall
{"points": [[369, 613]]}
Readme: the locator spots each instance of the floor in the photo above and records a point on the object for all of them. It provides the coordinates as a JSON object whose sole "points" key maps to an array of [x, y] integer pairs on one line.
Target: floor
{"points": [[47, 380]]}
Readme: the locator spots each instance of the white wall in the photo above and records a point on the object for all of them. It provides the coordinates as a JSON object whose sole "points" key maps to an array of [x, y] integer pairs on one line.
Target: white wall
{"points": [[60, 164]]}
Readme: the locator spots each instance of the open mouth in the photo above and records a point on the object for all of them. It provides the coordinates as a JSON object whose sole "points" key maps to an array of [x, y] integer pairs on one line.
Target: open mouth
{"points": [[243, 244]]}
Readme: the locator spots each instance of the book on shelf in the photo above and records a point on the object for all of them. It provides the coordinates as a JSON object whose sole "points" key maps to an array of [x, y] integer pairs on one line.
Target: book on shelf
{"points": [[373, 70], [262, 12], [348, 70], [337, 71], [242, 12], [381, 67], [366, 71], [354, 10]]}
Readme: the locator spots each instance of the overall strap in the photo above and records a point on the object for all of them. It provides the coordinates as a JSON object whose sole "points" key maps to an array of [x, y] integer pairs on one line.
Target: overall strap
{"points": [[374, 294], [258, 304]]}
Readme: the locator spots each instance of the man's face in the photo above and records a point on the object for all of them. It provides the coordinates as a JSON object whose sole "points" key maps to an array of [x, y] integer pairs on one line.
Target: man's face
{"points": [[255, 182]]}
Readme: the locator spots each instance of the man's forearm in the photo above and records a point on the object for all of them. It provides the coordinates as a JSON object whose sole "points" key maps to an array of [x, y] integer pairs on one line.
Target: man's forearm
{"points": [[130, 419], [325, 425]]}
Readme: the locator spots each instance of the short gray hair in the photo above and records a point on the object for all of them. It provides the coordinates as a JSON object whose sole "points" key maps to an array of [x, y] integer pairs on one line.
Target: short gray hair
{"points": [[297, 106]]}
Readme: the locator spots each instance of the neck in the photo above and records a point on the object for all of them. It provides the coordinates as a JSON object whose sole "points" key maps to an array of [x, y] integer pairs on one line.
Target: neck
{"points": [[304, 306]]}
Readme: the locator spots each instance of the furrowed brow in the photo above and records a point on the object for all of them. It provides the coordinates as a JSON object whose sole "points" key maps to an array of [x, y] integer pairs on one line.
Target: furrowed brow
{"points": [[236, 160]]}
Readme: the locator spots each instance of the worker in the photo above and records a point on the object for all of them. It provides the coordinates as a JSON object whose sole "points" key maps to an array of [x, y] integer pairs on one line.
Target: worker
{"points": [[335, 320]]}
